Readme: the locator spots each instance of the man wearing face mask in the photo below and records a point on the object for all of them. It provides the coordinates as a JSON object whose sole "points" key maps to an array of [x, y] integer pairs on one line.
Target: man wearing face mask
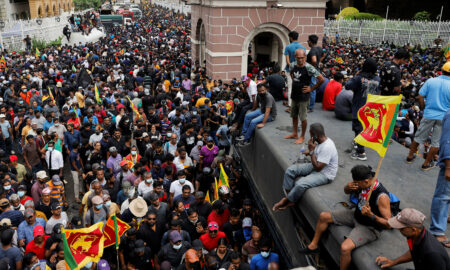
{"points": [[171, 254], [261, 261], [259, 118], [176, 188], [97, 213], [133, 157], [38, 186], [97, 136], [54, 160], [146, 186], [194, 224]]}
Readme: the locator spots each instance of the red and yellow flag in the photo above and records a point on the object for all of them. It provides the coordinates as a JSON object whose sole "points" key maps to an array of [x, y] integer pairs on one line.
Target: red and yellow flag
{"points": [[229, 106], [2, 62], [223, 177], [82, 246], [134, 108], [207, 198], [114, 229], [447, 53], [378, 118]]}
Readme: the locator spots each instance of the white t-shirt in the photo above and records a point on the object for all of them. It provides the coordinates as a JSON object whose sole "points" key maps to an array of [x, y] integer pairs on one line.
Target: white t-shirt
{"points": [[252, 90], [63, 219], [326, 153], [177, 189], [181, 166], [144, 189]]}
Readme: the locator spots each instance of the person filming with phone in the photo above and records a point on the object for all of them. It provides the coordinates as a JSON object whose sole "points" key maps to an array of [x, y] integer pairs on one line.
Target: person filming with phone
{"points": [[321, 170]]}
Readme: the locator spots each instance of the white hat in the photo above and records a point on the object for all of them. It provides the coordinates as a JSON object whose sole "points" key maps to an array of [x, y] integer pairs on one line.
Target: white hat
{"points": [[138, 207], [145, 134], [41, 174]]}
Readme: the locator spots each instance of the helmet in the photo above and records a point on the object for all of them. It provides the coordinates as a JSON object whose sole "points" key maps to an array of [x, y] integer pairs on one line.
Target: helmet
{"points": [[224, 190]]}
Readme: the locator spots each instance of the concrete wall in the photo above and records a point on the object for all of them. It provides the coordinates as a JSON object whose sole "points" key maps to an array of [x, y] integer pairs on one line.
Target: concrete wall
{"points": [[229, 29]]}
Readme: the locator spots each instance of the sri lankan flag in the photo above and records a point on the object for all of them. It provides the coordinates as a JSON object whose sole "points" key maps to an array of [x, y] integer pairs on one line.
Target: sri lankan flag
{"points": [[114, 229], [447, 53], [216, 190], [3, 62], [378, 118], [134, 108], [223, 177], [37, 53], [82, 246], [207, 198], [229, 106], [97, 95]]}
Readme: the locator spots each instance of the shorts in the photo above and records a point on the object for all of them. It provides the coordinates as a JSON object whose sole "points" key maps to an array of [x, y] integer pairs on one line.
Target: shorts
{"points": [[299, 109], [425, 128], [360, 234]]}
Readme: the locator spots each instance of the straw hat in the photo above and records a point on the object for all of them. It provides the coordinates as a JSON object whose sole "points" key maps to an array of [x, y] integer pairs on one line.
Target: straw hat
{"points": [[138, 207]]}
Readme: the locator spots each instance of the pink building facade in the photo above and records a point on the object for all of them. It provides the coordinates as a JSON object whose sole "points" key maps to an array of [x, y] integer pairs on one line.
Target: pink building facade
{"points": [[224, 32]]}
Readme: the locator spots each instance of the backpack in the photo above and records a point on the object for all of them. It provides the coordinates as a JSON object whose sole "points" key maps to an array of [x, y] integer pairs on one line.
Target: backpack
{"points": [[395, 202], [387, 77], [369, 86]]}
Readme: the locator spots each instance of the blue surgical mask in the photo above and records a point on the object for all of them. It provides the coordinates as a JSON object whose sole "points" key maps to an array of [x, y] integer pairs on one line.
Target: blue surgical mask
{"points": [[99, 206], [108, 203], [182, 180], [149, 181], [21, 193], [265, 254], [88, 265], [177, 247], [7, 187], [133, 153]]}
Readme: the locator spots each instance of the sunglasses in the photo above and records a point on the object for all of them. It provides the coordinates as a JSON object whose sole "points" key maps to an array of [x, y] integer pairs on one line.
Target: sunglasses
{"points": [[212, 226], [151, 218], [213, 231]]}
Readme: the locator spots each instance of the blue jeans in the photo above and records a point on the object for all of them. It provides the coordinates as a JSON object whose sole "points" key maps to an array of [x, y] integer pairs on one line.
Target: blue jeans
{"points": [[439, 205], [250, 121], [312, 98], [309, 179]]}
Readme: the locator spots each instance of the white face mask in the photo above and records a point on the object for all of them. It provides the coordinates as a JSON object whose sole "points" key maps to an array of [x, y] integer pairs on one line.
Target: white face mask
{"points": [[149, 181], [177, 247], [50, 148], [133, 153]]}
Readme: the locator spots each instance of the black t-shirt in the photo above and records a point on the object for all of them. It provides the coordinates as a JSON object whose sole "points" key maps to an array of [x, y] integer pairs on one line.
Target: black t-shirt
{"points": [[233, 232], [189, 141], [428, 253], [315, 51], [142, 262], [151, 238], [390, 76], [276, 85], [300, 79]]}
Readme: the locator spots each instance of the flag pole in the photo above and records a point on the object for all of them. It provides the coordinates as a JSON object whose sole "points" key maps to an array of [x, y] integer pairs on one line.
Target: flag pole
{"points": [[376, 176], [116, 232]]}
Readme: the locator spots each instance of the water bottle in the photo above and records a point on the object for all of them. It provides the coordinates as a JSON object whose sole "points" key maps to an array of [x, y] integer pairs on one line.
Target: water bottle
{"points": [[302, 153]]}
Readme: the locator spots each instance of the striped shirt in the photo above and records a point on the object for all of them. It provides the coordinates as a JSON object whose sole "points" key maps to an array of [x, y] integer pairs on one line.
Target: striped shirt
{"points": [[56, 191]]}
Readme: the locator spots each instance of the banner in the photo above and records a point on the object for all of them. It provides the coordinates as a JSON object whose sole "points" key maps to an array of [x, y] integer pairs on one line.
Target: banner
{"points": [[82, 246], [378, 119]]}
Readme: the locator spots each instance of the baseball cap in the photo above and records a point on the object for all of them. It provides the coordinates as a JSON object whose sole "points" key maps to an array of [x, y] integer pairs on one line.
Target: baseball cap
{"points": [[408, 217], [157, 162], [197, 244], [247, 201], [145, 134], [175, 236], [76, 222], [28, 212], [38, 230], [112, 149], [123, 163], [446, 67], [13, 158], [213, 226], [246, 222], [209, 139], [200, 143], [55, 205], [4, 202], [5, 222], [46, 191], [139, 245], [97, 200], [103, 265]]}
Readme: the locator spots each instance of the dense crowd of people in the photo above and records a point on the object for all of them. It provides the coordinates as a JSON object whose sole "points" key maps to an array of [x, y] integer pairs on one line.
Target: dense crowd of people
{"points": [[145, 132]]}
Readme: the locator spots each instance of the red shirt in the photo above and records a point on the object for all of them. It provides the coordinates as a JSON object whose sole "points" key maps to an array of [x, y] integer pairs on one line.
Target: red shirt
{"points": [[39, 251], [220, 219], [27, 198], [211, 243], [329, 96]]}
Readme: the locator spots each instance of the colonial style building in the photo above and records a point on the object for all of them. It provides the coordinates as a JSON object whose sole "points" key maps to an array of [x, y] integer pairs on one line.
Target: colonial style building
{"points": [[30, 9]]}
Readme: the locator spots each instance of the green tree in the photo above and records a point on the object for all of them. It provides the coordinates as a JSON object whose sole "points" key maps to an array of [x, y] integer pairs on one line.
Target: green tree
{"points": [[86, 4], [422, 16], [347, 12]]}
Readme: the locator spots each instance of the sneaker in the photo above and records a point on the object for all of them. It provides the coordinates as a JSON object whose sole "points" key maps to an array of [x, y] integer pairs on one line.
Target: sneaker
{"points": [[428, 167], [360, 156], [410, 160], [243, 143], [240, 138]]}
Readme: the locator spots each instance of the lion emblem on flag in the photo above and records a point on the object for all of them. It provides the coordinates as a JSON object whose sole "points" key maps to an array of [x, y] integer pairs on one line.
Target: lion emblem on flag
{"points": [[372, 116]]}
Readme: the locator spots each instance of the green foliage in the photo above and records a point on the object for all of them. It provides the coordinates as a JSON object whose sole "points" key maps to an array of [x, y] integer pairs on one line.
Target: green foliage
{"points": [[364, 16], [347, 12], [87, 4], [42, 44], [422, 16]]}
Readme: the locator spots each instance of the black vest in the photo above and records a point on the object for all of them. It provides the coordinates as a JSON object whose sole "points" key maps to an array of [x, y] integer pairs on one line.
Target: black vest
{"points": [[300, 79], [365, 220]]}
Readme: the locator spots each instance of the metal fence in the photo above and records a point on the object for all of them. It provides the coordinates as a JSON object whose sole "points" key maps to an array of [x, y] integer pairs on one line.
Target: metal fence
{"points": [[50, 28], [174, 5], [399, 32]]}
